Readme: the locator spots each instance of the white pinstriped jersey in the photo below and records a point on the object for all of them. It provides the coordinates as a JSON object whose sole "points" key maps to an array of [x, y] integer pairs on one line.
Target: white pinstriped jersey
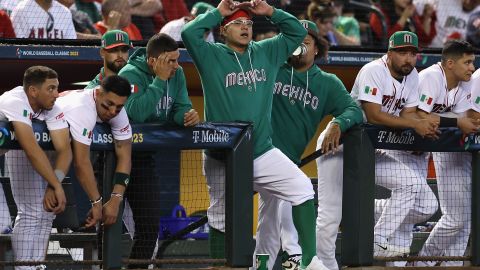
{"points": [[435, 96], [81, 114], [475, 94], [375, 84], [14, 107]]}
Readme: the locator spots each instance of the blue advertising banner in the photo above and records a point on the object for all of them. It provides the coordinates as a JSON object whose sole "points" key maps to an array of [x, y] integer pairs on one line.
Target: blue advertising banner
{"points": [[450, 140], [77, 53], [146, 137]]}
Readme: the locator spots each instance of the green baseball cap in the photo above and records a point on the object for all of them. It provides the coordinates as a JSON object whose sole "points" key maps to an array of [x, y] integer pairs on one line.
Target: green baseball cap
{"points": [[115, 38], [403, 39], [311, 28], [200, 8]]}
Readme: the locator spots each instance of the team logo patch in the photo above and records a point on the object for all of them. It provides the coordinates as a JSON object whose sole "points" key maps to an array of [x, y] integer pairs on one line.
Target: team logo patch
{"points": [[477, 100], [370, 90], [27, 114], [305, 25], [87, 133], [407, 38], [134, 88], [426, 99]]}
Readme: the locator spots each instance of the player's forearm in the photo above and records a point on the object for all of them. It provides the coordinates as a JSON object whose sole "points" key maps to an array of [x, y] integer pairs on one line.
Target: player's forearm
{"points": [[473, 114], [179, 112], [388, 120], [63, 160], [86, 178], [193, 32], [42, 166], [352, 115], [123, 151]]}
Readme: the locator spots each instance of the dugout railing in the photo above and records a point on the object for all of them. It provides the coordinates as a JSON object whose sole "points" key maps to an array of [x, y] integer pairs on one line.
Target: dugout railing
{"points": [[359, 185], [235, 139]]}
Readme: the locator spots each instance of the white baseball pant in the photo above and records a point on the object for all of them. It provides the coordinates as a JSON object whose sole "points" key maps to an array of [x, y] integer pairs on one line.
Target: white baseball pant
{"points": [[275, 229], [273, 175], [395, 220], [450, 235], [5, 219], [32, 224], [411, 201]]}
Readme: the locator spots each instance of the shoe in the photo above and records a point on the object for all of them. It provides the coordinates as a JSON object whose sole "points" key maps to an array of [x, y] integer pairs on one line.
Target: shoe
{"points": [[315, 264], [41, 267], [387, 250], [293, 262]]}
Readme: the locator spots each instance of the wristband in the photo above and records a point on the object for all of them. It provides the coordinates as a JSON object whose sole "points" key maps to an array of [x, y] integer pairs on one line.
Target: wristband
{"points": [[121, 179], [60, 175], [448, 122], [99, 200], [118, 195]]}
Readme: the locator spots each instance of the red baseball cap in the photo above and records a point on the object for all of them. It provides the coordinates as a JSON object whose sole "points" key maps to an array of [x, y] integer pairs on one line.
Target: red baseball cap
{"points": [[237, 14]]}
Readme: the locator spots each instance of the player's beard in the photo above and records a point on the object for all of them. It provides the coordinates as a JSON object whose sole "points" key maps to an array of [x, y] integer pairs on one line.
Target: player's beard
{"points": [[115, 66], [403, 70]]}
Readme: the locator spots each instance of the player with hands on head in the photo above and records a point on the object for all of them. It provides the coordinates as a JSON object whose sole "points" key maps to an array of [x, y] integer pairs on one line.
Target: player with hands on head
{"points": [[162, 98], [159, 95], [446, 92], [303, 95], [237, 81], [31, 168]]}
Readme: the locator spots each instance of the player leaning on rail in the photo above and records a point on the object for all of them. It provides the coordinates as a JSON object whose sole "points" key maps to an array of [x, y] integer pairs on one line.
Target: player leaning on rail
{"points": [[30, 168], [445, 90]]}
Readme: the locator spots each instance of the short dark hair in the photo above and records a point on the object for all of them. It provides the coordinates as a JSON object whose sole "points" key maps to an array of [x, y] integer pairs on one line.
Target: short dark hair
{"points": [[36, 75], [118, 85], [322, 46], [455, 49], [159, 44]]}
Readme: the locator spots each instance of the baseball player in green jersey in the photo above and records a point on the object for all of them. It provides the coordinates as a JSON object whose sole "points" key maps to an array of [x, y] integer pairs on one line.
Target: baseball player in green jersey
{"points": [[237, 79], [159, 96], [158, 85], [114, 52], [303, 96]]}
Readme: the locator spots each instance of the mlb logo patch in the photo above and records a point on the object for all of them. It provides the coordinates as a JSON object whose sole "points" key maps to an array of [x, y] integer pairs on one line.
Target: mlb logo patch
{"points": [[371, 90]]}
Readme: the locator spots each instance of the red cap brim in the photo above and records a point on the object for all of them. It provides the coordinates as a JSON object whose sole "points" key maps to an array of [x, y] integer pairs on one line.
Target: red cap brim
{"points": [[238, 14], [117, 45]]}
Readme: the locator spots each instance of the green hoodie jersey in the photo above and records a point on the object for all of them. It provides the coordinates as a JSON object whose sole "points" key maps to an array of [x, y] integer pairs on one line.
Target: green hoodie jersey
{"points": [[301, 100], [154, 100], [236, 86], [97, 80]]}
